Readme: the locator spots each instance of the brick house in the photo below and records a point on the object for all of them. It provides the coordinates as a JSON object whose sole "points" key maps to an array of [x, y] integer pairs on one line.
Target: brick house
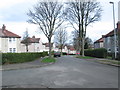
{"points": [[9, 42], [109, 41], [99, 43], [118, 26]]}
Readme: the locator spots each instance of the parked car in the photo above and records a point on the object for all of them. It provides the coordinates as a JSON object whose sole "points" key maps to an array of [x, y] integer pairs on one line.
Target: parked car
{"points": [[57, 54]]}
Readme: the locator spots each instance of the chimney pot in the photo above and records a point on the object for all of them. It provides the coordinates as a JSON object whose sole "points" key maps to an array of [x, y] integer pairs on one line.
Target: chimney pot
{"points": [[3, 27], [33, 37]]}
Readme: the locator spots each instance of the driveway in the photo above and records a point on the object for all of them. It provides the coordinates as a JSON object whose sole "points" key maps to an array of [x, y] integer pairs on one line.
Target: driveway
{"points": [[67, 72]]}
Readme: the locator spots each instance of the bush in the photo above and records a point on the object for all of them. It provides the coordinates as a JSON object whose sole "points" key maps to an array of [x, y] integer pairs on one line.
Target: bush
{"points": [[21, 57], [99, 53], [64, 53]]}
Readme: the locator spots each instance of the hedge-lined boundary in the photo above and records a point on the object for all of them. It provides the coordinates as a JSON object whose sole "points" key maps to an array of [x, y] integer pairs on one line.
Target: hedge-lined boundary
{"points": [[11, 58], [99, 53]]}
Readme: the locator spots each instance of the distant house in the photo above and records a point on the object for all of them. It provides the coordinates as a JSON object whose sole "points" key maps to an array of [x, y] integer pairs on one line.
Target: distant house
{"points": [[9, 42], [66, 49], [46, 45], [99, 43], [35, 45]]}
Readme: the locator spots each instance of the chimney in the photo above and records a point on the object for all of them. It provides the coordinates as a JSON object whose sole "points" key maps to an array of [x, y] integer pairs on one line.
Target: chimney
{"points": [[103, 36], [33, 37], [3, 27]]}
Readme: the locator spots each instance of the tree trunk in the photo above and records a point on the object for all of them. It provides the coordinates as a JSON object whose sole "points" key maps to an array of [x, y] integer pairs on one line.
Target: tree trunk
{"points": [[26, 48], [50, 47], [61, 51], [83, 43]]}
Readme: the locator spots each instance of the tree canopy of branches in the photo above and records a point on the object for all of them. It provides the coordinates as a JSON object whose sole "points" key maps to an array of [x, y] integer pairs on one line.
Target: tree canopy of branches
{"points": [[76, 42], [60, 38], [81, 14], [26, 40], [48, 15], [88, 43]]}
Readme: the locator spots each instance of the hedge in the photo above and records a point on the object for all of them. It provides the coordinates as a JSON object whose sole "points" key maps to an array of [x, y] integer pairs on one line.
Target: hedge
{"points": [[10, 58], [99, 53]]}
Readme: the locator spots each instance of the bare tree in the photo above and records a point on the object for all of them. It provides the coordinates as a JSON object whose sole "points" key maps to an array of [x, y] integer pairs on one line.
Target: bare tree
{"points": [[60, 38], [48, 15], [76, 42], [26, 40], [81, 14]]}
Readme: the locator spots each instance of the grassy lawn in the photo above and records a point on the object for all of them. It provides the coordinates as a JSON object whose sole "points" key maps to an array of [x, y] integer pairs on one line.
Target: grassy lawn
{"points": [[86, 57], [48, 60], [110, 61]]}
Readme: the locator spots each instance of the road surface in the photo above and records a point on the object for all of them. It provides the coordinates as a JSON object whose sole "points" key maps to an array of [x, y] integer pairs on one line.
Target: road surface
{"points": [[67, 72]]}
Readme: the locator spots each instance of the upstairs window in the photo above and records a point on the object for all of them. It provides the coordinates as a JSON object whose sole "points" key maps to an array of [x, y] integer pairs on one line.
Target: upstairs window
{"points": [[13, 39], [10, 39]]}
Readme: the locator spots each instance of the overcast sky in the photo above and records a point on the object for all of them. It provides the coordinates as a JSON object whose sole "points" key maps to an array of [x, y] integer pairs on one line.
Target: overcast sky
{"points": [[13, 15]]}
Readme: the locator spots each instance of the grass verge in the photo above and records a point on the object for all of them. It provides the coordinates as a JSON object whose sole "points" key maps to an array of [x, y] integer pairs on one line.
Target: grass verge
{"points": [[86, 57], [48, 60], [110, 62]]}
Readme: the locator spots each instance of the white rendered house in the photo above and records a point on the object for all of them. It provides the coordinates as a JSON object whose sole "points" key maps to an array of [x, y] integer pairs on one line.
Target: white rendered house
{"points": [[9, 42], [35, 45]]}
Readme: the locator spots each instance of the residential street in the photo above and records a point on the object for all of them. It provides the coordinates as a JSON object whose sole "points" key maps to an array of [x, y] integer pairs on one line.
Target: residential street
{"points": [[67, 72]]}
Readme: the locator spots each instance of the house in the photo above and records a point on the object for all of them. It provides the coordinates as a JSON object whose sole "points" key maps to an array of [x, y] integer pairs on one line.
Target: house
{"points": [[34, 46], [109, 41], [46, 45], [66, 49], [99, 43], [118, 26], [9, 42], [71, 49]]}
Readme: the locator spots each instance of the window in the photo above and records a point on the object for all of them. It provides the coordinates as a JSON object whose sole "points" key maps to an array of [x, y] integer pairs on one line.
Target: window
{"points": [[13, 39], [109, 49], [117, 48], [10, 39], [14, 49], [10, 49]]}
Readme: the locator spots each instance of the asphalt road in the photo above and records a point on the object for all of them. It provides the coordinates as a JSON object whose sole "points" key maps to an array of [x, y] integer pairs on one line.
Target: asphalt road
{"points": [[67, 72]]}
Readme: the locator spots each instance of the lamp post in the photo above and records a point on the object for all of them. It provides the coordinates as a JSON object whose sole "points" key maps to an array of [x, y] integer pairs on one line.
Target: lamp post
{"points": [[114, 29]]}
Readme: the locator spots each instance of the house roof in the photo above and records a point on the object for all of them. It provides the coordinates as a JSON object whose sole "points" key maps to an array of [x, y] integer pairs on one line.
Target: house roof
{"points": [[111, 33], [47, 44], [99, 40], [6, 33], [71, 48], [31, 40]]}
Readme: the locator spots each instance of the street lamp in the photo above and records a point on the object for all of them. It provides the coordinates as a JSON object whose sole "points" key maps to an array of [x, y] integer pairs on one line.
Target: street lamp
{"points": [[114, 29]]}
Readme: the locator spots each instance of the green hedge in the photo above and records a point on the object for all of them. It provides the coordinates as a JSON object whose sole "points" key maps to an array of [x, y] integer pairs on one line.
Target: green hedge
{"points": [[99, 53], [21, 57]]}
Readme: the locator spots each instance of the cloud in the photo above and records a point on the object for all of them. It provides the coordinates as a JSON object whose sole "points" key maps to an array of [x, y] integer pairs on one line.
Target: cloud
{"points": [[9, 3], [15, 10], [98, 29]]}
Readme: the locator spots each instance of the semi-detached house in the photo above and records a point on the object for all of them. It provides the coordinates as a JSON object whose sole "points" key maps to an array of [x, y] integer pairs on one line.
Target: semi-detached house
{"points": [[9, 42], [108, 41]]}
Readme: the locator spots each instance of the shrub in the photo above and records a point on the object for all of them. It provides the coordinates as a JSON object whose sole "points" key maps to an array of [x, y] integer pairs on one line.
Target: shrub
{"points": [[99, 53], [21, 57], [64, 53]]}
